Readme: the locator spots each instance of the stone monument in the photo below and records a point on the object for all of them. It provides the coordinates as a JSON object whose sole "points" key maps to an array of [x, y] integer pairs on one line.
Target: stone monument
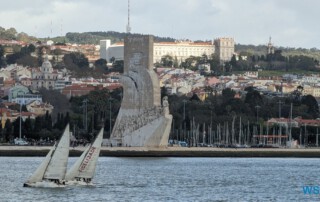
{"points": [[142, 120]]}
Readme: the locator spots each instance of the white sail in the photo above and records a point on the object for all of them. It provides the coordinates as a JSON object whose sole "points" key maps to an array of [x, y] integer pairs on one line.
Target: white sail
{"points": [[38, 174], [58, 164], [73, 172], [86, 164]]}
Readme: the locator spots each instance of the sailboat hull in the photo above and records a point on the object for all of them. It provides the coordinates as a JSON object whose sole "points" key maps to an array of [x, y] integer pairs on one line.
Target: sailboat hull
{"points": [[44, 184], [78, 183]]}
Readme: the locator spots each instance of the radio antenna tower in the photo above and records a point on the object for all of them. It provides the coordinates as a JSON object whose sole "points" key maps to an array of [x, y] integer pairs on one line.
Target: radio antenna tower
{"points": [[61, 27], [51, 29], [128, 25]]}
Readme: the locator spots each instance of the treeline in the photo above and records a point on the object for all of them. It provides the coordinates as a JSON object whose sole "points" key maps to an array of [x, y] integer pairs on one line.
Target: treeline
{"points": [[39, 128], [194, 63], [285, 51], [87, 114], [272, 61], [95, 37], [253, 108], [12, 34]]}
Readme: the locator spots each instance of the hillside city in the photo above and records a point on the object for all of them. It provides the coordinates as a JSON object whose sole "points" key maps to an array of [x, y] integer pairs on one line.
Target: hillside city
{"points": [[46, 82]]}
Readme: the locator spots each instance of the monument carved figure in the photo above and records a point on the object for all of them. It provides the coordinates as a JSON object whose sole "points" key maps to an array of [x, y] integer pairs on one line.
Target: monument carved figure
{"points": [[142, 120]]}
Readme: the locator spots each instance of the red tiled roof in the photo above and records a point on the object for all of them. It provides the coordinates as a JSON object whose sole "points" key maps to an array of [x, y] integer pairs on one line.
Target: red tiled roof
{"points": [[188, 43], [79, 87], [112, 87]]}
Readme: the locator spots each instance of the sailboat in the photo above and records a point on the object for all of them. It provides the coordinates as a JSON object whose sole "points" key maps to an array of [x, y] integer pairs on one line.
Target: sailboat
{"points": [[83, 170], [52, 171]]}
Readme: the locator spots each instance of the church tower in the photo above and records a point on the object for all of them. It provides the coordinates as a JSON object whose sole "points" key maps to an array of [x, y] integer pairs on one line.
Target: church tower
{"points": [[270, 47]]}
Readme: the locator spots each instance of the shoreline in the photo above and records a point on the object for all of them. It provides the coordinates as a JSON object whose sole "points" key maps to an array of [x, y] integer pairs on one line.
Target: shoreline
{"points": [[34, 151]]}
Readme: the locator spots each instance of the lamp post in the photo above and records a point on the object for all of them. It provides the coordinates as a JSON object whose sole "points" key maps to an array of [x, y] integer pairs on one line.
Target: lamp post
{"points": [[110, 121], [20, 120], [280, 108], [184, 109], [85, 110], [257, 108], [184, 119]]}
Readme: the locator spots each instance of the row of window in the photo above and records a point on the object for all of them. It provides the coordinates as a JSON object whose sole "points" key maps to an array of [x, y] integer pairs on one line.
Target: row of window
{"points": [[42, 82], [48, 77], [184, 49], [186, 53]]}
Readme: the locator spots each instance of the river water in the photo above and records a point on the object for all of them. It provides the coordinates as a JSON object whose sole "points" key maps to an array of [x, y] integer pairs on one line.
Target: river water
{"points": [[172, 179]]}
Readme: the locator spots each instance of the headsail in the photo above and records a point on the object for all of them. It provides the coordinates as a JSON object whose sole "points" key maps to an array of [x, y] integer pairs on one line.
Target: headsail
{"points": [[37, 176], [58, 164], [85, 166], [73, 172]]}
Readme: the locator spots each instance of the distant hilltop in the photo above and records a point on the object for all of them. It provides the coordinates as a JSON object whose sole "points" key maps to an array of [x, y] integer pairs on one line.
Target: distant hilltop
{"points": [[95, 37]]}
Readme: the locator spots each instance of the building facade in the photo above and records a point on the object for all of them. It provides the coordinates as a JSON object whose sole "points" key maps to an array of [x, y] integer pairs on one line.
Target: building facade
{"points": [[17, 91], [44, 77], [39, 108], [108, 51], [179, 50], [224, 48]]}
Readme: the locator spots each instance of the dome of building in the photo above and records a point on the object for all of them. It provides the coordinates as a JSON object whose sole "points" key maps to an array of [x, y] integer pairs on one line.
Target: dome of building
{"points": [[46, 66]]}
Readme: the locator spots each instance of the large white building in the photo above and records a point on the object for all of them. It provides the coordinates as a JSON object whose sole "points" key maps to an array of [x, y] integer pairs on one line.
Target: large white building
{"points": [[108, 51], [179, 50]]}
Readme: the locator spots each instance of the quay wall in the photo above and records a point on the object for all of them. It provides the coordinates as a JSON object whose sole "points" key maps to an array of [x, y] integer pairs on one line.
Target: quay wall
{"points": [[29, 151]]}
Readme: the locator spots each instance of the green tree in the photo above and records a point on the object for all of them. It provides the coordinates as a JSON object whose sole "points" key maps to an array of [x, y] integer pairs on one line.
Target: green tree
{"points": [[57, 53], [27, 126], [214, 63], [31, 48], [2, 59], [38, 125], [27, 60], [8, 130], [76, 60], [66, 119], [175, 62], [167, 61], [233, 61], [312, 104], [101, 66], [253, 98], [118, 66], [16, 127], [48, 121], [228, 94]]}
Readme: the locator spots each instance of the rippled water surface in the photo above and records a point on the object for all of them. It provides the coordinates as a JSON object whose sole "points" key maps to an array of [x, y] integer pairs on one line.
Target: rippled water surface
{"points": [[172, 179]]}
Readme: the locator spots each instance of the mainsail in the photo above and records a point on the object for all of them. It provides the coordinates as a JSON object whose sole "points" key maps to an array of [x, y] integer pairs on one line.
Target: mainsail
{"points": [[54, 166], [85, 166]]}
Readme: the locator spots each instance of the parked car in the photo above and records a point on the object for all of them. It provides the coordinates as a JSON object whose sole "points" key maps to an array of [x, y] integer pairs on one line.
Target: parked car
{"points": [[19, 141], [183, 144]]}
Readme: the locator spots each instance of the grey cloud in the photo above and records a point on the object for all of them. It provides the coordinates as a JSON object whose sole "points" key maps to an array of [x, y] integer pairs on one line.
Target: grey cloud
{"points": [[290, 22]]}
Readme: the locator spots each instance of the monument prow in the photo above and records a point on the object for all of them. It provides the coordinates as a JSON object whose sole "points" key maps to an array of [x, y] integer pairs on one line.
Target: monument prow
{"points": [[142, 120]]}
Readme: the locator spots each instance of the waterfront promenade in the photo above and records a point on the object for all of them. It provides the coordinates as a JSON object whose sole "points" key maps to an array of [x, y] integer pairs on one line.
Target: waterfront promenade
{"points": [[168, 152]]}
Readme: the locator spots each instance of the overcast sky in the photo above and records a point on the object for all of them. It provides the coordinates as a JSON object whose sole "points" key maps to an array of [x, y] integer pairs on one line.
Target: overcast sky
{"points": [[290, 23]]}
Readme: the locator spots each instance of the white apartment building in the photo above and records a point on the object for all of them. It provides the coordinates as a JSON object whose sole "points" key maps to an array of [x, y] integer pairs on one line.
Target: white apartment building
{"points": [[179, 50], [108, 51], [27, 99]]}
